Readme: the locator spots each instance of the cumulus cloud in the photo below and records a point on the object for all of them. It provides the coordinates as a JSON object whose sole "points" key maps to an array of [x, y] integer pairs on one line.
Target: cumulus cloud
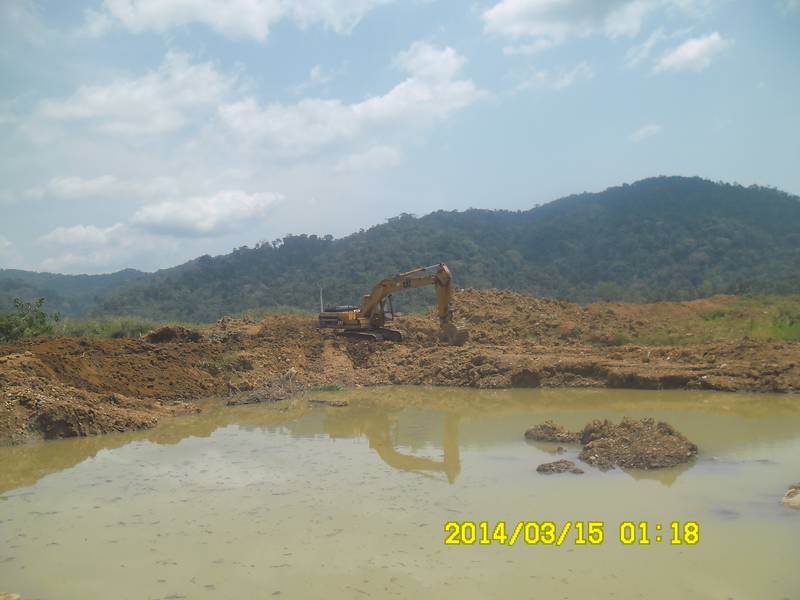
{"points": [[644, 132], [154, 103], [233, 18], [73, 187], [557, 20], [376, 157], [431, 91], [639, 53], [551, 22], [76, 187], [86, 236], [556, 79], [695, 54], [88, 248], [205, 215]]}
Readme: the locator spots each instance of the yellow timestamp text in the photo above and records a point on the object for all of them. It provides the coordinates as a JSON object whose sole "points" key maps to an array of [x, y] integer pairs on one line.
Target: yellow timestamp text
{"points": [[578, 533]]}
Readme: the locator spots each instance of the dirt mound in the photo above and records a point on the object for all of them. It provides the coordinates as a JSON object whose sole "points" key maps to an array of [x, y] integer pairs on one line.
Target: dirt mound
{"points": [[792, 496], [550, 432], [559, 466], [172, 333], [634, 444], [81, 386]]}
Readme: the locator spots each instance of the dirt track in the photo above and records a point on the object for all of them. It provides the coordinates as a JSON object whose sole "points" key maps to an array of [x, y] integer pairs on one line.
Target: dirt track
{"points": [[56, 387]]}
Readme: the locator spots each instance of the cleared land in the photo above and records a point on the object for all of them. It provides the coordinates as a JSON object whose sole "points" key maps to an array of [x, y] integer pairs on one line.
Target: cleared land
{"points": [[68, 386]]}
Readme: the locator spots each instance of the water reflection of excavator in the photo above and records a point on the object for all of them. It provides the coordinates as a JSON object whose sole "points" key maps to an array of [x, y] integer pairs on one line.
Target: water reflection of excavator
{"points": [[380, 428], [369, 320]]}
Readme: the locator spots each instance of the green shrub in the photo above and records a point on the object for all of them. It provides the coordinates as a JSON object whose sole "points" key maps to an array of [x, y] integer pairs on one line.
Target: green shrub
{"points": [[106, 328], [27, 320]]}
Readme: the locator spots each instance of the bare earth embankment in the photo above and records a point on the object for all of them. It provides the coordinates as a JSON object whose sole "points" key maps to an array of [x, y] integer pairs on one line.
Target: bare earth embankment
{"points": [[60, 387]]}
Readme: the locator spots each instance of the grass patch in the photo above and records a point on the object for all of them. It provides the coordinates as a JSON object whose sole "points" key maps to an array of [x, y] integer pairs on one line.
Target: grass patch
{"points": [[328, 387], [105, 328], [762, 318], [665, 339]]}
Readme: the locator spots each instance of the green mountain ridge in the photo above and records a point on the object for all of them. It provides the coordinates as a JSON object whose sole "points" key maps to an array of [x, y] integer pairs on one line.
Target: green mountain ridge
{"points": [[663, 238]]}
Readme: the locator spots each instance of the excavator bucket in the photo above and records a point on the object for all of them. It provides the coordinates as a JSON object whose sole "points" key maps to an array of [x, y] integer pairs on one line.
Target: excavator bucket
{"points": [[453, 335]]}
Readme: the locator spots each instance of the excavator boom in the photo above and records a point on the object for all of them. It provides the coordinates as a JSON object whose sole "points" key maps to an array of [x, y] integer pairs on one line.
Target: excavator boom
{"points": [[369, 320]]}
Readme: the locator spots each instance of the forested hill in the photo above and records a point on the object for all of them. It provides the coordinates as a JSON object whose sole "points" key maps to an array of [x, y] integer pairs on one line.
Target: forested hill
{"points": [[657, 239], [74, 295]]}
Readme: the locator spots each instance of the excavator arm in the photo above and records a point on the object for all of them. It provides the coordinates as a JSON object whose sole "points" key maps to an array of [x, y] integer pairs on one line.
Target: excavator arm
{"points": [[370, 318], [423, 276]]}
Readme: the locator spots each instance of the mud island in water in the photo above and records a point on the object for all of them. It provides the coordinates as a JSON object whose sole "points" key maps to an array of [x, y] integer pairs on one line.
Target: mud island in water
{"points": [[63, 387]]}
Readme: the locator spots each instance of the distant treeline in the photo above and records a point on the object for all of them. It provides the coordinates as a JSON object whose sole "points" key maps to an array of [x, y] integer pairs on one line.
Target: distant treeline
{"points": [[665, 238]]}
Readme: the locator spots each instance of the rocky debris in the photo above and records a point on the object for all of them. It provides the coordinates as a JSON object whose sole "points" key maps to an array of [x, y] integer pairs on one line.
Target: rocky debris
{"points": [[559, 466], [172, 333], [7, 596], [634, 444], [792, 496], [550, 432], [281, 388]]}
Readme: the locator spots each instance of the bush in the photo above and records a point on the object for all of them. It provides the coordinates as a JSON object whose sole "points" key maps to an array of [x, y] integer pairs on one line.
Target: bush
{"points": [[27, 320], [106, 328]]}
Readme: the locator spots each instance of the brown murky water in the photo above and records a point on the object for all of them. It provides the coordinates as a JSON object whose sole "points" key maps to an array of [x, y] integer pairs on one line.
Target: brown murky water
{"points": [[256, 502]]}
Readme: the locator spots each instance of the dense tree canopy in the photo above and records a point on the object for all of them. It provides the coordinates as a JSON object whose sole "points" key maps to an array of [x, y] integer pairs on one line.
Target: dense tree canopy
{"points": [[666, 238]]}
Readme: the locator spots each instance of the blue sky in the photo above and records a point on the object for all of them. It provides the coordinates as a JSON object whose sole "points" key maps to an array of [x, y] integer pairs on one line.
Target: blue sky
{"points": [[142, 133]]}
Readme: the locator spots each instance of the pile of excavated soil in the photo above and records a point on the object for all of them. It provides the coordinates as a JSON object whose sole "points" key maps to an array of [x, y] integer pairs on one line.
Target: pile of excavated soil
{"points": [[792, 496], [172, 334], [551, 432], [559, 466], [56, 387], [631, 444], [634, 444]]}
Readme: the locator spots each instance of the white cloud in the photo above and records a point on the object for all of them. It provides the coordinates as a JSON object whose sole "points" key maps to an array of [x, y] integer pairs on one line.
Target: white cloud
{"points": [[233, 18], [88, 248], [5, 244], [556, 20], [426, 61], [432, 91], [205, 215], [157, 102], [550, 22], [86, 236], [644, 132], [73, 187], [694, 54], [376, 157], [641, 52], [76, 187], [556, 80]]}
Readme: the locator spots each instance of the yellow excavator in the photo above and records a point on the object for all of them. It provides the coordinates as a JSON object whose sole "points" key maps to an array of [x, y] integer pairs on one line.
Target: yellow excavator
{"points": [[369, 320]]}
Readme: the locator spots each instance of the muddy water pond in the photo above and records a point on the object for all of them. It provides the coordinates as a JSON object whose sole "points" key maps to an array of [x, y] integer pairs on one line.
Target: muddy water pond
{"points": [[350, 502]]}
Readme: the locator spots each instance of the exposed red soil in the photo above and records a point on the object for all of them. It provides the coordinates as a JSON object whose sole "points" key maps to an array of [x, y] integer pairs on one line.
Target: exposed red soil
{"points": [[631, 444], [55, 387], [634, 444]]}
